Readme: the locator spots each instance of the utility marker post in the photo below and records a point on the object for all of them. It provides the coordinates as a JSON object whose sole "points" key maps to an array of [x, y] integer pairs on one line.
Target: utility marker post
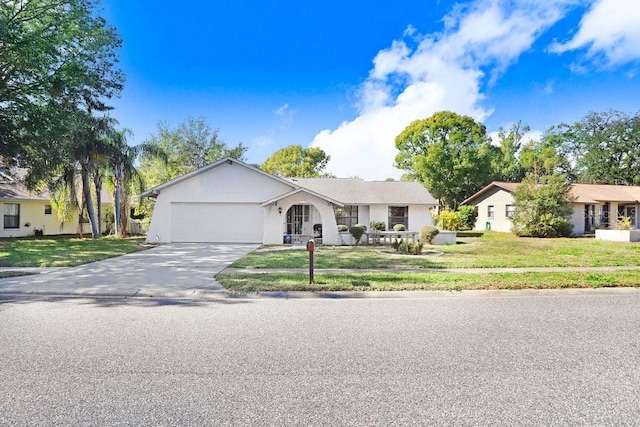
{"points": [[311, 246]]}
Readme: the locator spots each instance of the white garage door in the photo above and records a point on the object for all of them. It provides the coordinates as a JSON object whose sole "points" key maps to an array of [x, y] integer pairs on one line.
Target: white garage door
{"points": [[216, 222]]}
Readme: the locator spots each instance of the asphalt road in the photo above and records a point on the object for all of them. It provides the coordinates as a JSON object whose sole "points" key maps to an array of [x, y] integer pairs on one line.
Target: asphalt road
{"points": [[477, 358]]}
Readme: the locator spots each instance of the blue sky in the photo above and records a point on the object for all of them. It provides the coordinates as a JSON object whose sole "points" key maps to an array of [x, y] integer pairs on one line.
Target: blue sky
{"points": [[348, 76]]}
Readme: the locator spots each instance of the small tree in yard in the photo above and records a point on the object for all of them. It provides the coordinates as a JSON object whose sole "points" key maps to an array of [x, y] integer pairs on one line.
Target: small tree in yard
{"points": [[468, 215], [542, 209]]}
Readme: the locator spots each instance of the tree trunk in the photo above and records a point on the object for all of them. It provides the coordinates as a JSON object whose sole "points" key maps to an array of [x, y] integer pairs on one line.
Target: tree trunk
{"points": [[86, 191], [97, 182], [119, 178]]}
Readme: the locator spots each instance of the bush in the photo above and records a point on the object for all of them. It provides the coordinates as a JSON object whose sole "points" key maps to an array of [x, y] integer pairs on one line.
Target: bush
{"points": [[468, 216], [342, 227], [378, 226], [410, 248], [361, 225], [357, 231], [448, 220], [543, 208], [624, 223], [399, 227], [427, 233]]}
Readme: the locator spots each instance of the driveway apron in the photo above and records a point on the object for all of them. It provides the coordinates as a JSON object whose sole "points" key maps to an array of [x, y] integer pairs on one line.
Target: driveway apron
{"points": [[176, 269]]}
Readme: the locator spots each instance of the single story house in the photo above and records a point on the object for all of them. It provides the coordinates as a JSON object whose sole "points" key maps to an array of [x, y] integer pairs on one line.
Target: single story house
{"points": [[230, 201], [28, 213], [594, 206]]}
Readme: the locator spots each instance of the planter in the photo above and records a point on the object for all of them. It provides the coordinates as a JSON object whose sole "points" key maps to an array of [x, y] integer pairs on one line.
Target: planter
{"points": [[346, 239], [445, 238], [618, 235]]}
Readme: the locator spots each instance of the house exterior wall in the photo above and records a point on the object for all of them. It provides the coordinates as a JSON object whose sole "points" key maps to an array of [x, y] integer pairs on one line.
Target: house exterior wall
{"points": [[33, 213], [499, 199], [419, 216], [226, 183]]}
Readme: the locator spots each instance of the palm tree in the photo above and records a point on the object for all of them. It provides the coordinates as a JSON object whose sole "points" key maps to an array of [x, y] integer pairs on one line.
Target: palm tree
{"points": [[122, 158]]}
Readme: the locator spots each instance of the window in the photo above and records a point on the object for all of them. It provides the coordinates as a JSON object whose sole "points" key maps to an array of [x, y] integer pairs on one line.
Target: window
{"points": [[47, 209], [11, 215], [510, 210], [398, 215], [491, 211], [346, 215]]}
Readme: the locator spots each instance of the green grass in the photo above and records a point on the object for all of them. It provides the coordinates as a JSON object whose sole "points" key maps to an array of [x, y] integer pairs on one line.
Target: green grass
{"points": [[425, 281], [492, 250], [56, 251]]}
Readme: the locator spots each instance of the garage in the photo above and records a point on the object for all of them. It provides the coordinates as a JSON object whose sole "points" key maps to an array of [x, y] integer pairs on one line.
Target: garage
{"points": [[216, 222]]}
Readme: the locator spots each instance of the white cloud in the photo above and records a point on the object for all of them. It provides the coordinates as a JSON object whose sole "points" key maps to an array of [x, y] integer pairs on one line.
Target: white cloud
{"points": [[442, 71], [610, 28], [285, 114]]}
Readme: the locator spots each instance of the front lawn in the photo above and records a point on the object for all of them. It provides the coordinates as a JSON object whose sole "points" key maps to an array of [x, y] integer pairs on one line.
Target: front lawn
{"points": [[492, 250], [63, 251], [400, 281]]}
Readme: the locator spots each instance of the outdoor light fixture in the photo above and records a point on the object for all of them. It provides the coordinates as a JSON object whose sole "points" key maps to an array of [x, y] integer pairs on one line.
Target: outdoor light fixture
{"points": [[280, 211]]}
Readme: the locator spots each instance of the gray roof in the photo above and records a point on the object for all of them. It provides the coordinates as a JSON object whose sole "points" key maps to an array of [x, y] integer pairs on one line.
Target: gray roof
{"points": [[12, 186], [355, 191]]}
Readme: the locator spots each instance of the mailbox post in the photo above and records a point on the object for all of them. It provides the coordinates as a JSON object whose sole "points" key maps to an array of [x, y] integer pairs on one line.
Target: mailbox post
{"points": [[311, 246]]}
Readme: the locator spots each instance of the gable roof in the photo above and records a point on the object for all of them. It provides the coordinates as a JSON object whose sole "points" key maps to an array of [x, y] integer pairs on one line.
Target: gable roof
{"points": [[303, 190], [153, 192], [583, 193], [355, 191]]}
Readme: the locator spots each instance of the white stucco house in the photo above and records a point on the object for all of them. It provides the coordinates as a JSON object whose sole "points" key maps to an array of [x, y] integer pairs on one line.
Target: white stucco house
{"points": [[594, 206], [231, 201]]}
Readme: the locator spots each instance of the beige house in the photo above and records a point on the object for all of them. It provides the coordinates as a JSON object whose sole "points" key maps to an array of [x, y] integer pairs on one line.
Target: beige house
{"points": [[595, 206], [27, 213], [231, 202]]}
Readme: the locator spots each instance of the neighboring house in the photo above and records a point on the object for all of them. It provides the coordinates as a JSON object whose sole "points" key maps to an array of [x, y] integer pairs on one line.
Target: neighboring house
{"points": [[594, 206], [27, 213], [230, 201]]}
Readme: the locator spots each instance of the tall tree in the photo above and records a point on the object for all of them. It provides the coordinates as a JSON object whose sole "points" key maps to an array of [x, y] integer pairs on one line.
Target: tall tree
{"points": [[122, 160], [449, 153], [56, 56], [606, 147], [296, 161], [548, 156], [506, 163], [190, 146]]}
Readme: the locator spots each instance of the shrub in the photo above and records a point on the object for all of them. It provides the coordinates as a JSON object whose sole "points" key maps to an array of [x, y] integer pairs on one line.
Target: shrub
{"points": [[543, 208], [342, 227], [399, 227], [378, 225], [361, 225], [448, 220], [357, 231], [410, 248], [427, 233], [468, 216], [624, 223]]}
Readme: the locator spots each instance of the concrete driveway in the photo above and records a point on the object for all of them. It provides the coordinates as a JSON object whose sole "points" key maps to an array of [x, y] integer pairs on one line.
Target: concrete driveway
{"points": [[172, 270]]}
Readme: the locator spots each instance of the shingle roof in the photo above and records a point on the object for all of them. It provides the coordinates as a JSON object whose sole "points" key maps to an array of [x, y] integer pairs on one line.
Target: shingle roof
{"points": [[583, 193], [590, 193], [12, 186], [356, 191]]}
